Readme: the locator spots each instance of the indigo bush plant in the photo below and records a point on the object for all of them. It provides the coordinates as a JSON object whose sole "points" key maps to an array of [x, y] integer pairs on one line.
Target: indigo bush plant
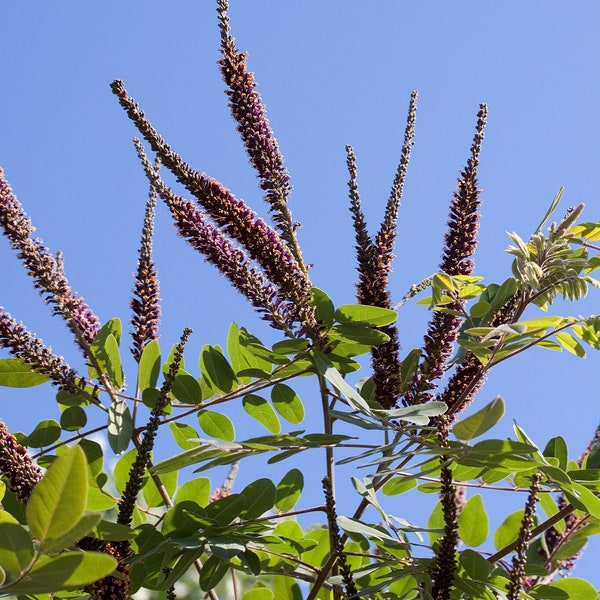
{"points": [[69, 529]]}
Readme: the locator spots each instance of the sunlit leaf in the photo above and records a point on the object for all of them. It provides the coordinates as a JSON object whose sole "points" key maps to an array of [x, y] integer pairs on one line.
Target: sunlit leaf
{"points": [[58, 500], [69, 570], [261, 410], [365, 314], [18, 374], [289, 490], [198, 490], [508, 531], [216, 425], [182, 433], [287, 403], [186, 388], [46, 433], [575, 588], [477, 424], [149, 367], [217, 369], [324, 309], [120, 426], [16, 548], [473, 522]]}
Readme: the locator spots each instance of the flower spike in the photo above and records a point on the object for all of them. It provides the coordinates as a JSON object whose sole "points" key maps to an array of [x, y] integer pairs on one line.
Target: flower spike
{"points": [[219, 250], [30, 349], [459, 247], [263, 150], [45, 270], [234, 216], [146, 301]]}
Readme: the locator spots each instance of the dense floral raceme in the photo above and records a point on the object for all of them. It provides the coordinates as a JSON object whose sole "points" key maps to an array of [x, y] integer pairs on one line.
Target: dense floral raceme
{"points": [[16, 465], [459, 246], [234, 217], [231, 260], [375, 258], [24, 345], [255, 130], [45, 270], [145, 302]]}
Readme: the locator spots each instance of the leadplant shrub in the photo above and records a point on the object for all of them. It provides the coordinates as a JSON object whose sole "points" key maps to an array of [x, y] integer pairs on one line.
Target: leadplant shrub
{"points": [[71, 526]]}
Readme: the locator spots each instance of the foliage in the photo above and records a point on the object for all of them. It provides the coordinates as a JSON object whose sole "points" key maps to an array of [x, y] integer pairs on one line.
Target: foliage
{"points": [[69, 528]]}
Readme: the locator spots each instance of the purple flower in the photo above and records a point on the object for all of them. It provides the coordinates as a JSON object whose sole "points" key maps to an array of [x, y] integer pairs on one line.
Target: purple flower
{"points": [[146, 301], [46, 272]]}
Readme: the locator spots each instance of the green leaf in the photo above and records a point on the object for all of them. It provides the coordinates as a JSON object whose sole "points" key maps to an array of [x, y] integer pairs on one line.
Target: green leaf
{"points": [[216, 425], [419, 414], [151, 493], [16, 373], [46, 433], [409, 367], [584, 499], [215, 367], [105, 350], [182, 433], [355, 400], [16, 548], [260, 593], [557, 448], [238, 341], [227, 509], [287, 403], [198, 490], [120, 426], [78, 531], [290, 346], [69, 570], [213, 571], [225, 547], [260, 497], [477, 424], [58, 500], [354, 526], [475, 566], [324, 309], [289, 490], [362, 334], [509, 530], [261, 410], [365, 314], [122, 468], [149, 367], [473, 522], [576, 589], [73, 418], [568, 342], [186, 388]]}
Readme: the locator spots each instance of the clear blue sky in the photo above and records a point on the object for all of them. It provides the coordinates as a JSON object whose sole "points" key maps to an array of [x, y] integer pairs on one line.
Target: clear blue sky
{"points": [[331, 73]]}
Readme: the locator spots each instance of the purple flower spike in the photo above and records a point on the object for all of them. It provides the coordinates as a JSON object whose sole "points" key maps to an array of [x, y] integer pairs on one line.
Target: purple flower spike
{"points": [[253, 126], [146, 301], [46, 272]]}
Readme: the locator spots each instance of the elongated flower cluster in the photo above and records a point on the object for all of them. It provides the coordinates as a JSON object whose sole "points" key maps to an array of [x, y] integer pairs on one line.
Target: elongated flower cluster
{"points": [[337, 547], [217, 249], [146, 301], [374, 259], [459, 247], [32, 350], [142, 460], [255, 130], [445, 560], [520, 559], [234, 218], [45, 270], [16, 465]]}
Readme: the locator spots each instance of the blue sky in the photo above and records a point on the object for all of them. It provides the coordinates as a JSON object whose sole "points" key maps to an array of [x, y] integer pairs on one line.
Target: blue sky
{"points": [[331, 73]]}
